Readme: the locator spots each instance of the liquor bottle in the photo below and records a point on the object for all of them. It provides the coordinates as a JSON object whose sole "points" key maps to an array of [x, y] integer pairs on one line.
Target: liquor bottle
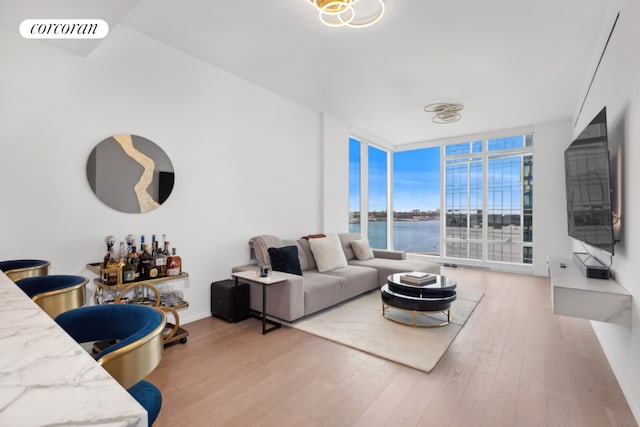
{"points": [[145, 263], [161, 260], [131, 241], [109, 240], [122, 254], [135, 260], [153, 271], [110, 264], [174, 264], [128, 272]]}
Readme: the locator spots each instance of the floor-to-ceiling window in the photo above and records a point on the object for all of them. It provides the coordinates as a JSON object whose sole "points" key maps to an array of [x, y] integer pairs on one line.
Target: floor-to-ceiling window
{"points": [[416, 200], [510, 203], [377, 160], [463, 200], [354, 185], [488, 200], [467, 200]]}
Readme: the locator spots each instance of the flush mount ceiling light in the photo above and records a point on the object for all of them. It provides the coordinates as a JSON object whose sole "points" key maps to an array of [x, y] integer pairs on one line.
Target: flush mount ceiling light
{"points": [[350, 13], [445, 112]]}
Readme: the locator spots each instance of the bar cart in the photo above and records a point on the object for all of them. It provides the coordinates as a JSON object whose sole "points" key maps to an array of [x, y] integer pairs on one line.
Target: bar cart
{"points": [[146, 292]]}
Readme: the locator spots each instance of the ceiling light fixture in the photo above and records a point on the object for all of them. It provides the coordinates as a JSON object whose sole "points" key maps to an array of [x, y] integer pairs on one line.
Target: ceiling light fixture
{"points": [[340, 13], [445, 112]]}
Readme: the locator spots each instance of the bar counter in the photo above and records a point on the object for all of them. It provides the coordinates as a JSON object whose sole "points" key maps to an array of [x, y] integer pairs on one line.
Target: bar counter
{"points": [[46, 378]]}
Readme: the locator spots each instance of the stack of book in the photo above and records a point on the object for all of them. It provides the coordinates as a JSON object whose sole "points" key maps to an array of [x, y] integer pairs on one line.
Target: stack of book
{"points": [[418, 278]]}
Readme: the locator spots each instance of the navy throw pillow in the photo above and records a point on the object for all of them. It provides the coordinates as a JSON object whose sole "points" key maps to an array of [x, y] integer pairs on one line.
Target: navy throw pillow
{"points": [[285, 259]]}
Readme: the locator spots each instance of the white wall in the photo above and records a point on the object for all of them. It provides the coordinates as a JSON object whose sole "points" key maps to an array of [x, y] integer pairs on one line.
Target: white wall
{"points": [[549, 205], [335, 164], [245, 159], [617, 86]]}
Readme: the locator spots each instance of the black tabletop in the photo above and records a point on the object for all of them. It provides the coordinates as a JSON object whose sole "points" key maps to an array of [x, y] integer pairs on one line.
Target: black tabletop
{"points": [[442, 284]]}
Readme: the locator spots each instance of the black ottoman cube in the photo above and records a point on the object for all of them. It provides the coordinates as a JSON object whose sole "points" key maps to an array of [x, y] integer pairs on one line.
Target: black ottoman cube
{"points": [[230, 302]]}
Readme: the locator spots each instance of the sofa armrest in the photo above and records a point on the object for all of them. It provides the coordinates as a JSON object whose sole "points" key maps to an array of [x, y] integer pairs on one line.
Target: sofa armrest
{"points": [[385, 253]]}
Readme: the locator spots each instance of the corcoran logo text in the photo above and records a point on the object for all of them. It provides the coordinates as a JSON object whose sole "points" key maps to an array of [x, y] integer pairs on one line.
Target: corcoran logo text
{"points": [[64, 29]]}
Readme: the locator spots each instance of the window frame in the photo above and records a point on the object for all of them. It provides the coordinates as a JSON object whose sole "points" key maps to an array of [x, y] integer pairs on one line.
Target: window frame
{"points": [[364, 185], [484, 157], [442, 143]]}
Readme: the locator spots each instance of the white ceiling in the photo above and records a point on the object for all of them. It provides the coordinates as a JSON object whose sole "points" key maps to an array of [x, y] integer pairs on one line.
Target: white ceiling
{"points": [[510, 62]]}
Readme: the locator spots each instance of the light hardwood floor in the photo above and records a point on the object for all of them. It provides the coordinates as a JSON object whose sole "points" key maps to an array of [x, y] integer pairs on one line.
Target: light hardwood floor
{"points": [[513, 364]]}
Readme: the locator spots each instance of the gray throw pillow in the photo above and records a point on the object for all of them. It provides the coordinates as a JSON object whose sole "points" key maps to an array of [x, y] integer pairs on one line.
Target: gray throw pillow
{"points": [[361, 249]]}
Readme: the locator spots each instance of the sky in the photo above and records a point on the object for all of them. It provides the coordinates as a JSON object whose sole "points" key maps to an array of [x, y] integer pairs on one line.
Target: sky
{"points": [[416, 178]]}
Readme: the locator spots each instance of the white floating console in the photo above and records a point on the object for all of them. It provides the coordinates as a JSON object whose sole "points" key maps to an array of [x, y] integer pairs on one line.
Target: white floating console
{"points": [[573, 294]]}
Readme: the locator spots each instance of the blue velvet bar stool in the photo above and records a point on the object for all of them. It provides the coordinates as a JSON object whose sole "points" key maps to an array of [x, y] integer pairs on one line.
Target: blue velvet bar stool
{"points": [[55, 294], [137, 332], [17, 269]]}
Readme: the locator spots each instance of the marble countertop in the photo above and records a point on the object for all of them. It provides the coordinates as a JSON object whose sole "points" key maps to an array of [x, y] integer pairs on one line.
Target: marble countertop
{"points": [[46, 378]]}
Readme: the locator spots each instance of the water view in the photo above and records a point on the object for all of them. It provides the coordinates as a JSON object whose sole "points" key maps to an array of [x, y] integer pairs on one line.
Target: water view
{"points": [[409, 236]]}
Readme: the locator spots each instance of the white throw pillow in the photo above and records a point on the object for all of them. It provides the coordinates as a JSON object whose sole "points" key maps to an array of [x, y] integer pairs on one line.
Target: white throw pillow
{"points": [[361, 249], [328, 253]]}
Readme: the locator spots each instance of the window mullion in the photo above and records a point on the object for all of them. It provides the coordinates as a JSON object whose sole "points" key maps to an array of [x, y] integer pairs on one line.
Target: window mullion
{"points": [[443, 201], [485, 200], [389, 201], [364, 190], [522, 200], [468, 239]]}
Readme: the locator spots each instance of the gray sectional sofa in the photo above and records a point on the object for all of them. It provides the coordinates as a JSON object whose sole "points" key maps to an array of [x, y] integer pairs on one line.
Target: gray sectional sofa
{"points": [[318, 288]]}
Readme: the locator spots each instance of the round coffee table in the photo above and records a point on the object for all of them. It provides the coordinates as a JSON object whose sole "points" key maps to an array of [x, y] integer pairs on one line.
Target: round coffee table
{"points": [[430, 298]]}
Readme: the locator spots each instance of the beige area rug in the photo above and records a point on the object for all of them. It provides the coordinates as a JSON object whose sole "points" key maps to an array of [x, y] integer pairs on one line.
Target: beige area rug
{"points": [[358, 323]]}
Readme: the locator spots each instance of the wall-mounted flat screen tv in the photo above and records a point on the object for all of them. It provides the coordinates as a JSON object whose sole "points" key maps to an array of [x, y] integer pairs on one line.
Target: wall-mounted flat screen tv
{"points": [[588, 186]]}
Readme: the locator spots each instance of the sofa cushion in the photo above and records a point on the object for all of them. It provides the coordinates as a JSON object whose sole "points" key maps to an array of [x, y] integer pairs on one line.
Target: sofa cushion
{"points": [[285, 259], [304, 251], [322, 290], [261, 244], [361, 249], [345, 240], [328, 253], [360, 279]]}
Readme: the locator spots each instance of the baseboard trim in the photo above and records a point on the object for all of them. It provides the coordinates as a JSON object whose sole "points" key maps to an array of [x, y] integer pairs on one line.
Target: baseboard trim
{"points": [[193, 317]]}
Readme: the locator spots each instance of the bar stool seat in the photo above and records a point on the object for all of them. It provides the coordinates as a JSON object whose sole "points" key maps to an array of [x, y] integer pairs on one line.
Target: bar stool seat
{"points": [[147, 395], [55, 294], [17, 269], [137, 332]]}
